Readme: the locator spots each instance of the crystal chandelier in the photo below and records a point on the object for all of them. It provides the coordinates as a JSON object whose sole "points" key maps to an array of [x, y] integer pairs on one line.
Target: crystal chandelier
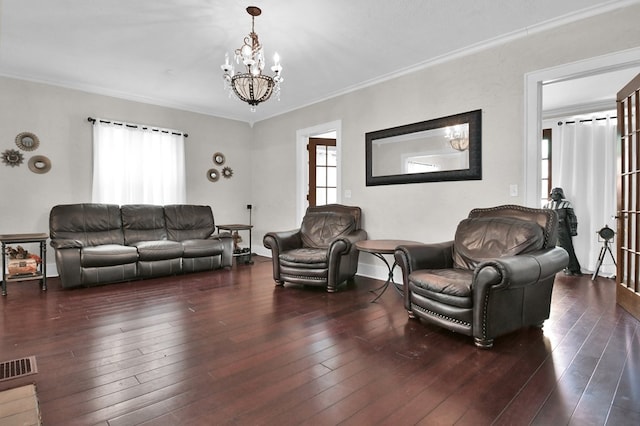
{"points": [[252, 86]]}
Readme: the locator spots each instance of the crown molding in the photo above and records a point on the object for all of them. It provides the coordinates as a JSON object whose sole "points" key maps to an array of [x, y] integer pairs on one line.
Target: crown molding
{"points": [[588, 108]]}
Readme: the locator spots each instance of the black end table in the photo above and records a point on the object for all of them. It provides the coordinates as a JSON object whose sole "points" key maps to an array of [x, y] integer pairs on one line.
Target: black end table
{"points": [[239, 227], [40, 274]]}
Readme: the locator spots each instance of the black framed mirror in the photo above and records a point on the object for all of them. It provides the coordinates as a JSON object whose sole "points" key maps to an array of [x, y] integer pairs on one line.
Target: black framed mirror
{"points": [[442, 149]]}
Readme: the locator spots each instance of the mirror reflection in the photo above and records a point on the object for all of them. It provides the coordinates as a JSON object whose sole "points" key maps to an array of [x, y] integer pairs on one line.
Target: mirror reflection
{"points": [[428, 151], [447, 148]]}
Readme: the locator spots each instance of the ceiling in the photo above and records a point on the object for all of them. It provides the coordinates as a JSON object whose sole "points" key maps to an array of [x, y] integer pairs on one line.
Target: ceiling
{"points": [[585, 95], [169, 52]]}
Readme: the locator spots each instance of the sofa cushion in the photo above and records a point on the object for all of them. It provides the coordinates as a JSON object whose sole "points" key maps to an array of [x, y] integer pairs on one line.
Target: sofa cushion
{"points": [[188, 222], [202, 248], [319, 229], [107, 255], [143, 222], [90, 224], [478, 239], [159, 250]]}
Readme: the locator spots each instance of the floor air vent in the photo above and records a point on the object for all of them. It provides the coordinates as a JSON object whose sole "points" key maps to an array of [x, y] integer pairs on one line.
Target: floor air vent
{"points": [[18, 368]]}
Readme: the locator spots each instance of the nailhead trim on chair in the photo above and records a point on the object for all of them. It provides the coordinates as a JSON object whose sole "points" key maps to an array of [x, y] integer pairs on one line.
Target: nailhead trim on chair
{"points": [[435, 314], [305, 277], [484, 317]]}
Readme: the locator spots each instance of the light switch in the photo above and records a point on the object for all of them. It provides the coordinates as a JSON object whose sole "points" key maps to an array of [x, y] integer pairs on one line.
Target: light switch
{"points": [[513, 190]]}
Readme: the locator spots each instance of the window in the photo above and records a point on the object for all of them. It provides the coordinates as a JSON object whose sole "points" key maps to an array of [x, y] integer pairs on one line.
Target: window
{"points": [[135, 164], [545, 167], [420, 164]]}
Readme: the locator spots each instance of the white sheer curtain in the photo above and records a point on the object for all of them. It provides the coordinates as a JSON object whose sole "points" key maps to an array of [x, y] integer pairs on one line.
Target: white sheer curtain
{"points": [[585, 166], [133, 165]]}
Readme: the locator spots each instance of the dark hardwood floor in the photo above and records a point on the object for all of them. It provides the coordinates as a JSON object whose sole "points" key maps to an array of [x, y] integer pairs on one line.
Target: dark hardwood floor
{"points": [[228, 347]]}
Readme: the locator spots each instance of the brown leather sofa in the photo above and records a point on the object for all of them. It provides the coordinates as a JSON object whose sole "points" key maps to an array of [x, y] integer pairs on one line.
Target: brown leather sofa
{"points": [[322, 251], [495, 277], [104, 243]]}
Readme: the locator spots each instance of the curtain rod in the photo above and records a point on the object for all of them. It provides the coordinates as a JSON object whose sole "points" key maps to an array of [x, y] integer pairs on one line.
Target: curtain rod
{"points": [[560, 123], [135, 126]]}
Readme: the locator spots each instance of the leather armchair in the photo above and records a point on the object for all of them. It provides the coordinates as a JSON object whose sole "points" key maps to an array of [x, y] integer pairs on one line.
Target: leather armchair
{"points": [[322, 251], [495, 277]]}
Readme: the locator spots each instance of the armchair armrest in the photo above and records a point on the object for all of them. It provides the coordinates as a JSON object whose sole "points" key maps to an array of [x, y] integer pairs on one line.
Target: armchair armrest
{"points": [[524, 269], [514, 291], [345, 246], [279, 242], [424, 256], [343, 258], [345, 243], [282, 240]]}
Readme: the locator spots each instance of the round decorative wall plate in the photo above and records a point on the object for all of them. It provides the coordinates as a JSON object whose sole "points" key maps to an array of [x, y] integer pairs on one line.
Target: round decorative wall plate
{"points": [[27, 141], [213, 175], [12, 157], [218, 158], [39, 164]]}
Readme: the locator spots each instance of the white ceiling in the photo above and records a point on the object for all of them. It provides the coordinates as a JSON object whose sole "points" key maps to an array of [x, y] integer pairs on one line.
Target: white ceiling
{"points": [[169, 52], [579, 96]]}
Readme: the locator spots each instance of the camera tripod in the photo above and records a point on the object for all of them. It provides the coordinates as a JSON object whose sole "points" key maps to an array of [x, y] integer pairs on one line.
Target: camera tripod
{"points": [[603, 251]]}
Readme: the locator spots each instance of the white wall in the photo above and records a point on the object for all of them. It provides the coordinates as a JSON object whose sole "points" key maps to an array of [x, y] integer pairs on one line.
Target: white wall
{"points": [[491, 80], [59, 118]]}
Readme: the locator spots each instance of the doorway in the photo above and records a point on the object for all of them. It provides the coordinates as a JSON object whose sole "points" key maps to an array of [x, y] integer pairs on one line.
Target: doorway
{"points": [[534, 82], [540, 86], [332, 129]]}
